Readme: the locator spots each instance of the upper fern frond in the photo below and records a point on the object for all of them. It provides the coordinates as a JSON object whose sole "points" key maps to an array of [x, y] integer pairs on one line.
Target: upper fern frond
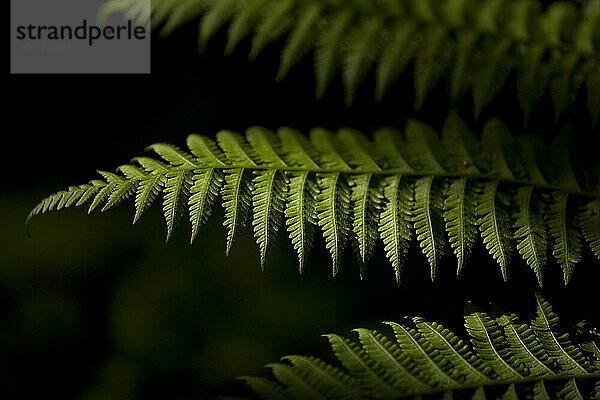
{"points": [[508, 359], [476, 43], [357, 191]]}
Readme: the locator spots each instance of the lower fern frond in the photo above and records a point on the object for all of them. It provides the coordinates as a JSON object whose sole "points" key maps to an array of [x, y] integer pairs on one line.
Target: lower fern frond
{"points": [[508, 359], [395, 188]]}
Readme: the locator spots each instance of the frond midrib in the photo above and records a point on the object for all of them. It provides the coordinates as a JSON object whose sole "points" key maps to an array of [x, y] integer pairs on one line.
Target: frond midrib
{"points": [[383, 172]]}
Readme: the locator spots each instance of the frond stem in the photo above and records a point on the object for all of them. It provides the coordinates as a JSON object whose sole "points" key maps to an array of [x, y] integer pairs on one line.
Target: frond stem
{"points": [[394, 171]]}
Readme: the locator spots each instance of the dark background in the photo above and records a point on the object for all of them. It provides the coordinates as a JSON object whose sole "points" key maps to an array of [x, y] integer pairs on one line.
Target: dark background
{"points": [[93, 308]]}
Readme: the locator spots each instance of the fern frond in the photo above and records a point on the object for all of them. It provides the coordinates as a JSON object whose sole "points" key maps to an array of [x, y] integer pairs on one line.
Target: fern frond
{"points": [[297, 384], [387, 353], [551, 48], [333, 208], [204, 191], [367, 198], [492, 346], [493, 73], [493, 220], [530, 230], [424, 354], [265, 388], [565, 236], [357, 190], [570, 391], [526, 347], [301, 214], [459, 216], [268, 204], [237, 200], [396, 53], [147, 191], [368, 373], [590, 225], [364, 42], [176, 192], [112, 182], [329, 49], [453, 349], [334, 382], [431, 62], [216, 16], [395, 227], [301, 38], [428, 221], [558, 346], [508, 360]]}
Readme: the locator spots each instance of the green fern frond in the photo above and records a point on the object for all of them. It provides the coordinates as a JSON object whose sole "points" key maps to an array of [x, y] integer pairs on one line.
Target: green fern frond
{"points": [[566, 240], [301, 39], [553, 48], [295, 381], [530, 230], [508, 359], [526, 347], [334, 382], [494, 223], [265, 388], [460, 219], [453, 349], [205, 189], [176, 192], [394, 188], [369, 374], [364, 42], [388, 354], [301, 214], [590, 225], [431, 62], [367, 199], [428, 221], [428, 359], [268, 203], [237, 200], [557, 345], [395, 227], [333, 209], [492, 346]]}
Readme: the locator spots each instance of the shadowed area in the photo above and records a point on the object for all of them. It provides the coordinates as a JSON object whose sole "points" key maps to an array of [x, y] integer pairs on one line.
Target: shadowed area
{"points": [[93, 308]]}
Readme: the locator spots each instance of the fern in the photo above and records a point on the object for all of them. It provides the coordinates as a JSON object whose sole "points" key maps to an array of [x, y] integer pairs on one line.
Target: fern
{"points": [[508, 359], [554, 49], [357, 191]]}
